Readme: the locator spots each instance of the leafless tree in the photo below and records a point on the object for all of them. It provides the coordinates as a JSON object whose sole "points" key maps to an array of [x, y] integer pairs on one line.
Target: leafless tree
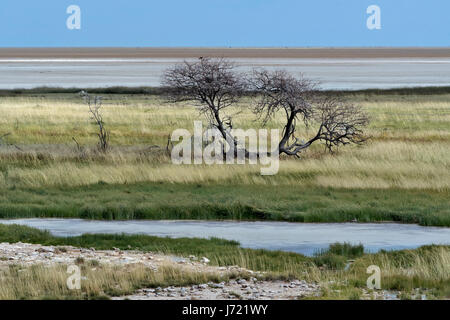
{"points": [[212, 85], [95, 105], [338, 122]]}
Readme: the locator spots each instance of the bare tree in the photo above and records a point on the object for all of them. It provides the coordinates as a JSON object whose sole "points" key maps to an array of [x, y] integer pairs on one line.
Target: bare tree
{"points": [[95, 105], [212, 85], [339, 123]]}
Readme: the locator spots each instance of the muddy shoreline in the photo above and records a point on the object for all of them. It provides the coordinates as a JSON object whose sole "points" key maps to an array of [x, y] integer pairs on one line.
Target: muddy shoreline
{"points": [[191, 52]]}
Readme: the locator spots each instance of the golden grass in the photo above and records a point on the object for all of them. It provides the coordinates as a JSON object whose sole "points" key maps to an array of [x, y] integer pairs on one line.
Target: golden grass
{"points": [[49, 281], [378, 165], [425, 269], [434, 266], [409, 146]]}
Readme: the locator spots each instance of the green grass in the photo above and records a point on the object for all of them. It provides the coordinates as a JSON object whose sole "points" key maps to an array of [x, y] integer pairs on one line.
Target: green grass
{"points": [[239, 202], [337, 254], [65, 91], [345, 249], [158, 90]]}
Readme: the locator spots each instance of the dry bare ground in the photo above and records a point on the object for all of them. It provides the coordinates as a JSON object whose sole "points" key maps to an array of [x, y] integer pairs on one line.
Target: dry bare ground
{"points": [[224, 52]]}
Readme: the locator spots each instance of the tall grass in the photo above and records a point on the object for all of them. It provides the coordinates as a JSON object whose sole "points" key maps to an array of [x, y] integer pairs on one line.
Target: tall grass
{"points": [[409, 147], [407, 157], [379, 165], [49, 282]]}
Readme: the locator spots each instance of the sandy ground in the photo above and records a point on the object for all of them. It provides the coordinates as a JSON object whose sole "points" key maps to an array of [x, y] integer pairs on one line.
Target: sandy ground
{"points": [[224, 52]]}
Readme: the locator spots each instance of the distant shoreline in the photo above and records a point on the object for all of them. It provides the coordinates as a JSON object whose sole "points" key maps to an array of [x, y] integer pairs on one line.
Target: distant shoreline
{"points": [[189, 52], [139, 90]]}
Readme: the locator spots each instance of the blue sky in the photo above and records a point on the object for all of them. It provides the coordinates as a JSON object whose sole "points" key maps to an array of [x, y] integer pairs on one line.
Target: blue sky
{"points": [[235, 23]]}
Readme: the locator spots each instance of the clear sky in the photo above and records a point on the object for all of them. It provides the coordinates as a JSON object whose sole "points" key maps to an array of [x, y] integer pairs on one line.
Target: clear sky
{"points": [[235, 23]]}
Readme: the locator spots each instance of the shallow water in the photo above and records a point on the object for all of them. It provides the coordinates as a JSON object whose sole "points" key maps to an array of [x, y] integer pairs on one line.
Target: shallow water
{"points": [[296, 237], [336, 74]]}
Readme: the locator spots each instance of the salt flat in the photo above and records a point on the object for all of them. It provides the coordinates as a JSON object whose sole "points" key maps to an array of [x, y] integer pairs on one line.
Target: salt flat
{"points": [[339, 68], [335, 74]]}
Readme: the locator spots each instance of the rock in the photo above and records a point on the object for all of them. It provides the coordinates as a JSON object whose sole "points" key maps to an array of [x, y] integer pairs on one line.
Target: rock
{"points": [[204, 260], [148, 290], [217, 285]]}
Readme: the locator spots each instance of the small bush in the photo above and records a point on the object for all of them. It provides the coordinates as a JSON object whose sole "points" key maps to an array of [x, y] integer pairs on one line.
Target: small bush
{"points": [[330, 261], [345, 249]]}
